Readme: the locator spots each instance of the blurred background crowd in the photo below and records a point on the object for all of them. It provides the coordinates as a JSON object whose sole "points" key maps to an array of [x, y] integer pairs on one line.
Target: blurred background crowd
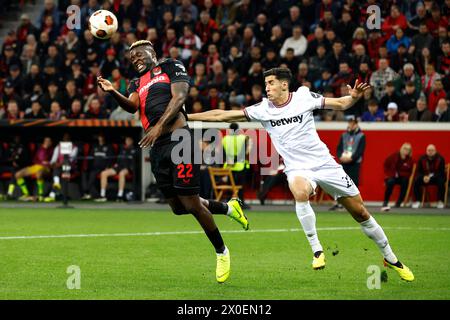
{"points": [[49, 71]]}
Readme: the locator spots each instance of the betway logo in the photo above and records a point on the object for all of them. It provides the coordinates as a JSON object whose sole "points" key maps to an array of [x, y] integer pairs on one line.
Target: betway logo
{"points": [[160, 78], [284, 121]]}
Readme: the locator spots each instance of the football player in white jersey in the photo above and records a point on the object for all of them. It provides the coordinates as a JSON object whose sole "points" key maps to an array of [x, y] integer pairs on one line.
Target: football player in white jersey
{"points": [[288, 118]]}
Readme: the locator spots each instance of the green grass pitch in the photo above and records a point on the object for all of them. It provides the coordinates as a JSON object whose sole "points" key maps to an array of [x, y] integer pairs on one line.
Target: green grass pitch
{"points": [[139, 254]]}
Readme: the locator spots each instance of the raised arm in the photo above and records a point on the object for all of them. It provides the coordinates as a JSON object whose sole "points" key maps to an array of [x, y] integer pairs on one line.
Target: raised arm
{"points": [[346, 102], [219, 116], [130, 104]]}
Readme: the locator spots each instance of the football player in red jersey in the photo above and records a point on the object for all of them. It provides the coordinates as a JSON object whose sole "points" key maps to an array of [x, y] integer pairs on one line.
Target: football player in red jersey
{"points": [[159, 94]]}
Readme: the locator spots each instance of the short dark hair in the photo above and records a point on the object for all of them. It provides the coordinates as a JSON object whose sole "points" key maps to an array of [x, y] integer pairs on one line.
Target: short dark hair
{"points": [[373, 102], [279, 73]]}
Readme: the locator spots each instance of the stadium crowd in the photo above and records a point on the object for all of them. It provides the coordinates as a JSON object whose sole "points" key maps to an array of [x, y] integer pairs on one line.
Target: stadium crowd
{"points": [[48, 70]]}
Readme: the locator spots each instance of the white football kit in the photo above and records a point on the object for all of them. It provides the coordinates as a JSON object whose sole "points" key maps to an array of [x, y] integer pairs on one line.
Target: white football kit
{"points": [[293, 133]]}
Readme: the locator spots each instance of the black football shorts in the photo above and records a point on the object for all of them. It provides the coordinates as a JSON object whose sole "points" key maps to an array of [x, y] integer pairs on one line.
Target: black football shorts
{"points": [[175, 176]]}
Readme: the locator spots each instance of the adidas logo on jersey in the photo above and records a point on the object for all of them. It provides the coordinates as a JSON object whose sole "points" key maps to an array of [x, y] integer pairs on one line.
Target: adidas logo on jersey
{"points": [[284, 121]]}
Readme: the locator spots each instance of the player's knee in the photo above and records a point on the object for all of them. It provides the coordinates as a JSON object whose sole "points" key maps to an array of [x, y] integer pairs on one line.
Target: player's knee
{"points": [[301, 196]]}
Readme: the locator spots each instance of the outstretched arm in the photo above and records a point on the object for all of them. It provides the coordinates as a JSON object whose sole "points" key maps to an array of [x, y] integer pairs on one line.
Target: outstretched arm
{"points": [[346, 102], [219, 116], [130, 104]]}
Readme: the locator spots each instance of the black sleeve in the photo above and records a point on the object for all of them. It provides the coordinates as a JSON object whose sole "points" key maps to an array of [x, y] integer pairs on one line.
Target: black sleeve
{"points": [[176, 71], [133, 86]]}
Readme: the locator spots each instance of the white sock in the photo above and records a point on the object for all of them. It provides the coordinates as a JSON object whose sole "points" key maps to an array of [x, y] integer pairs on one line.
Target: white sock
{"points": [[120, 193], [373, 230], [307, 217], [225, 251], [52, 195], [102, 193], [229, 209], [56, 180]]}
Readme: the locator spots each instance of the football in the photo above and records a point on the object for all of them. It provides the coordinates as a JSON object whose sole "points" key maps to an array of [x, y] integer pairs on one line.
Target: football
{"points": [[103, 24]]}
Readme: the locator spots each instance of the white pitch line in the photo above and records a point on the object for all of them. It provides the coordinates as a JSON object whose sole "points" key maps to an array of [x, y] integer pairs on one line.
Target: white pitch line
{"points": [[138, 234]]}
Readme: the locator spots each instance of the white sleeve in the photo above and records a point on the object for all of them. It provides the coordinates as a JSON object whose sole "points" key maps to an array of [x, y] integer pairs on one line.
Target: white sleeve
{"points": [[311, 100], [254, 112]]}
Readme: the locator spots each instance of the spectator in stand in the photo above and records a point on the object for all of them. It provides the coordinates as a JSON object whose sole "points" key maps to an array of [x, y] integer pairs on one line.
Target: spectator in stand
{"points": [[36, 111], [373, 113], [256, 95], [345, 28], [397, 39], [76, 110], [421, 40], [25, 28], [231, 38], [205, 27], [188, 41], [336, 56], [170, 40], [374, 42], [290, 60], [397, 170], [391, 114], [233, 87], [430, 171], [109, 64], [261, 28], [95, 109], [13, 111], [429, 78], [226, 13], [436, 20], [390, 96], [56, 112], [15, 78], [199, 79], [395, 21], [421, 112], [442, 114], [69, 95], [123, 166], [408, 75], [380, 77], [276, 38], [218, 76], [297, 42], [40, 168], [344, 76], [418, 19], [400, 58], [213, 97], [409, 98], [435, 95], [318, 40], [443, 61]]}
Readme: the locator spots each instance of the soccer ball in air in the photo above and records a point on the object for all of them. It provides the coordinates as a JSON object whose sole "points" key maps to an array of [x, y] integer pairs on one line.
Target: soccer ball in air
{"points": [[103, 24]]}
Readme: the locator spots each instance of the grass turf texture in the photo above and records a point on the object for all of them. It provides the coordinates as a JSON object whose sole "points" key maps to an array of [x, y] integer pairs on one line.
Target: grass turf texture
{"points": [[265, 265]]}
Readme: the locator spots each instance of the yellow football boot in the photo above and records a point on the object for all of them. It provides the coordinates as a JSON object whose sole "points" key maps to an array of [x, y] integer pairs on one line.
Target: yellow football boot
{"points": [[237, 213], [403, 271]]}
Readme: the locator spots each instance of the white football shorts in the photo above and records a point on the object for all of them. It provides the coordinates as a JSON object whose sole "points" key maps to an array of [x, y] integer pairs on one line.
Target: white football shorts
{"points": [[331, 177]]}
